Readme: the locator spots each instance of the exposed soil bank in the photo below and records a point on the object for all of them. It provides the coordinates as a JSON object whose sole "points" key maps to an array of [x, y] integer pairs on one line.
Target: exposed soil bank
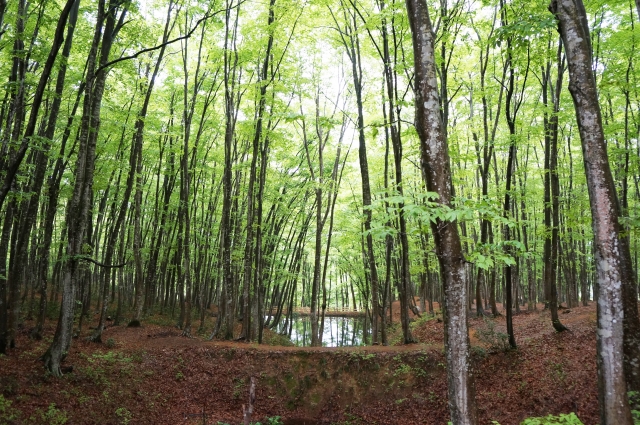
{"points": [[151, 375]]}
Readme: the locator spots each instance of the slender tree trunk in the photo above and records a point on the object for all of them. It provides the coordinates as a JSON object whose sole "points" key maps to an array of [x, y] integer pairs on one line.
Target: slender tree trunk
{"points": [[41, 279], [551, 189], [136, 171], [5, 237], [484, 154], [230, 67], [11, 166], [512, 105], [79, 204], [404, 283], [352, 46]]}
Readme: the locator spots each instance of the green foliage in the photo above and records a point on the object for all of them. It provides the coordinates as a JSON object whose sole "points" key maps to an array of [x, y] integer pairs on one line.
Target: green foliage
{"points": [[562, 419], [7, 413], [238, 387], [634, 402], [124, 415], [478, 352], [52, 416], [495, 341], [405, 369], [361, 355], [402, 369], [274, 420]]}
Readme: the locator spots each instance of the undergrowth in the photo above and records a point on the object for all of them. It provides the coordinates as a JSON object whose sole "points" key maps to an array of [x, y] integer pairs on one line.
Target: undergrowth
{"points": [[495, 341], [634, 402], [562, 419]]}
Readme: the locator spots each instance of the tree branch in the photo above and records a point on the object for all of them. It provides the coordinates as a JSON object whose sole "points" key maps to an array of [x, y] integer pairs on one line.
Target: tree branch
{"points": [[159, 46], [97, 263]]}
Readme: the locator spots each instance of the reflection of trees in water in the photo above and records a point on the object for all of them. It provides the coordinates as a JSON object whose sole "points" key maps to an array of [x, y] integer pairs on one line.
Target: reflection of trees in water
{"points": [[338, 331]]}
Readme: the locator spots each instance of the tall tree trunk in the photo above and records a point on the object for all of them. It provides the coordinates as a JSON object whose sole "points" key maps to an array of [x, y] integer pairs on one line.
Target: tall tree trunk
{"points": [[12, 164], [512, 105], [248, 276], [436, 167], [230, 68], [80, 202], [404, 283], [351, 44], [484, 154], [136, 170], [366, 196], [611, 253], [552, 189], [5, 237], [42, 162]]}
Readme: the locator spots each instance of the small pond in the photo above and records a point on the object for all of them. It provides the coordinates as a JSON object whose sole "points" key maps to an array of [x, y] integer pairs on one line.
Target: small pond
{"points": [[338, 331]]}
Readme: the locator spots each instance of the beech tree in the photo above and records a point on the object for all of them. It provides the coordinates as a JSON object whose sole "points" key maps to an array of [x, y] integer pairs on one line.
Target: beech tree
{"points": [[611, 251], [436, 165]]}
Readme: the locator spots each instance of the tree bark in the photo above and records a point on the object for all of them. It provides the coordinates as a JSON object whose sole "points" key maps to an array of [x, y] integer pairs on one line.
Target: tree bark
{"points": [[263, 82], [136, 170], [230, 65], [404, 283], [610, 252], [436, 167], [43, 160], [11, 166], [351, 44], [80, 202]]}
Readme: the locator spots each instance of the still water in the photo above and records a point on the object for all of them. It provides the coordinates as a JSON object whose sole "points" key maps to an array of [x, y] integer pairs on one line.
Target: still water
{"points": [[338, 331]]}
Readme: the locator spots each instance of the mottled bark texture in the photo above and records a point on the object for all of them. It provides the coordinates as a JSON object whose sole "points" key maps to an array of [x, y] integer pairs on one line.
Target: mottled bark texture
{"points": [[609, 246], [436, 167]]}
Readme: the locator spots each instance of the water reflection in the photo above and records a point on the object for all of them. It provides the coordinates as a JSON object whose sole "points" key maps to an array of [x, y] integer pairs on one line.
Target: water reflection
{"points": [[338, 331]]}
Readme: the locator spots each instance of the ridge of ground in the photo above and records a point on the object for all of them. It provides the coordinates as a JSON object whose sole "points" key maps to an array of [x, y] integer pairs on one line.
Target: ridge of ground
{"points": [[153, 375]]}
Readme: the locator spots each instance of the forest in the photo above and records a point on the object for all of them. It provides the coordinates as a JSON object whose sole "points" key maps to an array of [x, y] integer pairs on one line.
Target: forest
{"points": [[230, 165]]}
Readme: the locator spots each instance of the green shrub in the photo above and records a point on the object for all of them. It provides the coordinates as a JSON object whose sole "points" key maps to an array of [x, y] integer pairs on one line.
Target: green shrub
{"points": [[7, 413], [563, 419], [124, 414], [53, 416], [495, 341], [634, 402]]}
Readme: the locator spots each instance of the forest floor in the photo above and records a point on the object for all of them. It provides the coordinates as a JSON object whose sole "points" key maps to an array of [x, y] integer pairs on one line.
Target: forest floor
{"points": [[153, 375]]}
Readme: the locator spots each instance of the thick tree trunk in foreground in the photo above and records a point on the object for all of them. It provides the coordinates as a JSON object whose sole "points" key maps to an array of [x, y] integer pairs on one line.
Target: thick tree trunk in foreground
{"points": [[609, 247], [436, 167]]}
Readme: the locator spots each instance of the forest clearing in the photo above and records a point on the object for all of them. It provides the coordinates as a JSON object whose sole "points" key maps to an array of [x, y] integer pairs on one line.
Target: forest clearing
{"points": [[153, 375]]}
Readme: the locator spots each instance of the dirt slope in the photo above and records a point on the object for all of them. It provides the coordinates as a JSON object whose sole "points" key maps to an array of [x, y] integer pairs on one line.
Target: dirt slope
{"points": [[152, 375]]}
